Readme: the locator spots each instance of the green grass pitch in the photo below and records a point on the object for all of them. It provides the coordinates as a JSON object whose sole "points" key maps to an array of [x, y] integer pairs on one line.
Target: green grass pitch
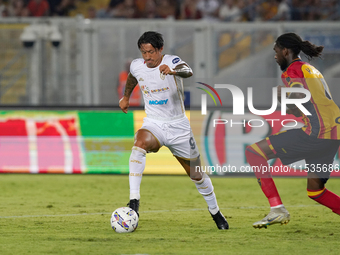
{"points": [[70, 214]]}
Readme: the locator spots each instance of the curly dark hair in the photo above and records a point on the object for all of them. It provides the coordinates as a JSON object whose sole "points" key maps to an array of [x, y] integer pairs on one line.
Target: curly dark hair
{"points": [[296, 44]]}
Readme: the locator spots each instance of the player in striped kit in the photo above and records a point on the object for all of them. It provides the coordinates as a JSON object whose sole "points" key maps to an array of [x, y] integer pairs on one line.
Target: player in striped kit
{"points": [[316, 142], [160, 80]]}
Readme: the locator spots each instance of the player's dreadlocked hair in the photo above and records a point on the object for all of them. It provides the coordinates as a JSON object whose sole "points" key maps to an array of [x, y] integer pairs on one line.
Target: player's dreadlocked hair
{"points": [[294, 42], [154, 38]]}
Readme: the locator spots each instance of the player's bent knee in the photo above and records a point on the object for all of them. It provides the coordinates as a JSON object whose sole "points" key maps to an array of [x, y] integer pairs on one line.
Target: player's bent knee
{"points": [[148, 146], [140, 144], [253, 152]]}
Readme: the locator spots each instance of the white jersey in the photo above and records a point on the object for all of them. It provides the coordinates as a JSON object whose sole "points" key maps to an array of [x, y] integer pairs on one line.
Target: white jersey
{"points": [[163, 94]]}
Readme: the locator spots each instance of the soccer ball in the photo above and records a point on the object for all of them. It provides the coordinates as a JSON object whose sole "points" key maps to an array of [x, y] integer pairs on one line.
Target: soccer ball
{"points": [[124, 220]]}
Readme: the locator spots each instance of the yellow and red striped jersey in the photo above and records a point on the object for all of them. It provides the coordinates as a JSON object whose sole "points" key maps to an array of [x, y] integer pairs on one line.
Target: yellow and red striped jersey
{"points": [[324, 122]]}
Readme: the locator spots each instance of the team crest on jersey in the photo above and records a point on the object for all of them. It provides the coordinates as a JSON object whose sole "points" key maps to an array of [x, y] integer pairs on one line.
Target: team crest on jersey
{"points": [[141, 79], [175, 60], [160, 90], [162, 75], [145, 90]]}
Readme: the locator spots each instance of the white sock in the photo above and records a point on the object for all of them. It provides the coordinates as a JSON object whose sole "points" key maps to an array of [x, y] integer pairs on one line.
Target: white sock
{"points": [[277, 206], [136, 168], [206, 189]]}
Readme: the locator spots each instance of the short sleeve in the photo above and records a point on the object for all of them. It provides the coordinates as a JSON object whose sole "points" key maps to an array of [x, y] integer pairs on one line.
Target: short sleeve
{"points": [[295, 77], [133, 66], [175, 61]]}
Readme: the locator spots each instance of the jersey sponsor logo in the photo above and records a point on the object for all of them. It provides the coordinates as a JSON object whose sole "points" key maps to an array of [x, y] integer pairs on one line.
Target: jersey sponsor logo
{"points": [[145, 90], [337, 120], [158, 102], [160, 90], [175, 60]]}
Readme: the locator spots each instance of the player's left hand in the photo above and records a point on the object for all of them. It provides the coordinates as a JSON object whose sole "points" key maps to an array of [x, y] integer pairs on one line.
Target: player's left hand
{"points": [[164, 69]]}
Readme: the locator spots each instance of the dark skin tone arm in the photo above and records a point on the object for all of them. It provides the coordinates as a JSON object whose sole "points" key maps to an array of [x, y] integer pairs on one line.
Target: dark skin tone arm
{"points": [[292, 108]]}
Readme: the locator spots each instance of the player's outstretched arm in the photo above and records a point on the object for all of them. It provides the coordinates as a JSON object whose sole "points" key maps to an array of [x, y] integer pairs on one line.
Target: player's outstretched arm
{"points": [[130, 85], [181, 70]]}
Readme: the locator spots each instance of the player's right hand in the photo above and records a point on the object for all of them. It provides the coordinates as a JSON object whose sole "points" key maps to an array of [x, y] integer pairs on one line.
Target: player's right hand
{"points": [[165, 69], [124, 104]]}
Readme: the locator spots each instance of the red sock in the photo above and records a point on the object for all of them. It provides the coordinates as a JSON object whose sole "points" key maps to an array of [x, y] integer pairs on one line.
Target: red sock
{"points": [[326, 198], [256, 158]]}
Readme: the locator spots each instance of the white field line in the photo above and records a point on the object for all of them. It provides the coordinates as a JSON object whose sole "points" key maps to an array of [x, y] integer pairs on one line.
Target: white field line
{"points": [[155, 211]]}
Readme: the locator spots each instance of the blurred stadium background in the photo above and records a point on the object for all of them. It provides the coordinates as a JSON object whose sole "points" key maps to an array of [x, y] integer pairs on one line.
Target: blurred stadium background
{"points": [[63, 66]]}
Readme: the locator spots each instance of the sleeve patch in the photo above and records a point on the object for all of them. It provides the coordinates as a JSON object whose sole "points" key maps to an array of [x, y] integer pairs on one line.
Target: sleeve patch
{"points": [[176, 60]]}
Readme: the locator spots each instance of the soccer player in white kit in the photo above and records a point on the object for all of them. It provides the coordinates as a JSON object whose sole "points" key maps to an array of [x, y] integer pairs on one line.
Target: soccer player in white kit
{"points": [[160, 80]]}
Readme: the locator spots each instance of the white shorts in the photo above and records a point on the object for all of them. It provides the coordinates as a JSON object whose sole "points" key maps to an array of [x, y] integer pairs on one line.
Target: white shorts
{"points": [[176, 135]]}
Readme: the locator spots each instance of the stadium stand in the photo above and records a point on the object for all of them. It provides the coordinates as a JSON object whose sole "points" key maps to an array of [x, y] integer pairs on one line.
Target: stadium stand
{"points": [[236, 45], [243, 10]]}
